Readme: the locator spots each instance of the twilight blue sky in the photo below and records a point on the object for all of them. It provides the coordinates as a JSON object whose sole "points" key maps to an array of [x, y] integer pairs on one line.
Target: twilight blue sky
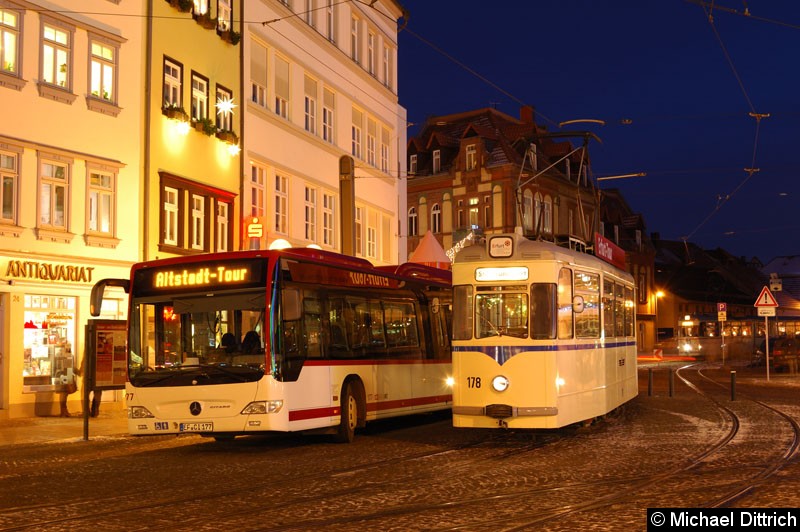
{"points": [[684, 85]]}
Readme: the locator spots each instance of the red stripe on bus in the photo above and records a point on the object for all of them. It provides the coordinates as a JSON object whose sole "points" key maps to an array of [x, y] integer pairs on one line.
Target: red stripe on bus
{"points": [[315, 413]]}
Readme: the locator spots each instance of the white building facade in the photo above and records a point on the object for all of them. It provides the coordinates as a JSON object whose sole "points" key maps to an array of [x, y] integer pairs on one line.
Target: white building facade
{"points": [[321, 83]]}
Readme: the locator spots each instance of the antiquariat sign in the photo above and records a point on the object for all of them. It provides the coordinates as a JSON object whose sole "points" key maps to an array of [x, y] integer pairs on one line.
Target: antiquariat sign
{"points": [[48, 271]]}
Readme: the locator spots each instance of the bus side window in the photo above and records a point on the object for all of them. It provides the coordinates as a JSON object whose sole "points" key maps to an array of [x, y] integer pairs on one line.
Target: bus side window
{"points": [[313, 327]]}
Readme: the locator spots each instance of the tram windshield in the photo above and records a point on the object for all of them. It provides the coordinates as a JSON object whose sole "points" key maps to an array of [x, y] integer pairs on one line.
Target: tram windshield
{"points": [[197, 339]]}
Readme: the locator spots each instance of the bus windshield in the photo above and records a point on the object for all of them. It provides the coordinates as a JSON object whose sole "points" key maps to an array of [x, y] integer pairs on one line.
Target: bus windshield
{"points": [[198, 339]]}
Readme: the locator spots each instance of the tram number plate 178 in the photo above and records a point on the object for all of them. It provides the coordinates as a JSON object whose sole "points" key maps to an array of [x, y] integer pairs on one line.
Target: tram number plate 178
{"points": [[196, 427]]}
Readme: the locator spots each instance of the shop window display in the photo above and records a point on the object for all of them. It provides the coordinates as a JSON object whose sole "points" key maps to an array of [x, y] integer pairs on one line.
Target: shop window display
{"points": [[48, 339]]}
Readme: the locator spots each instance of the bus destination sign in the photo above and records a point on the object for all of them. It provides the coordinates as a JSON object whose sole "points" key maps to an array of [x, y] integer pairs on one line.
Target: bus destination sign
{"points": [[214, 275]]}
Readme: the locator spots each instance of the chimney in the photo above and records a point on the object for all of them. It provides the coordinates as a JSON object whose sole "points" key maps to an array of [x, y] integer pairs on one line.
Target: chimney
{"points": [[526, 114]]}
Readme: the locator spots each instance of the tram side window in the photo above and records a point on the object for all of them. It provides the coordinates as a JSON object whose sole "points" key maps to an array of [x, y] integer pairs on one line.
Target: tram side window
{"points": [[630, 315], [608, 309], [587, 323], [462, 312], [543, 311], [619, 309], [565, 315]]}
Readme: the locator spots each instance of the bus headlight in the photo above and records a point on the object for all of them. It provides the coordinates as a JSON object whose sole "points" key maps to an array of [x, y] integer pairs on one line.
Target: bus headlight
{"points": [[500, 383], [263, 407], [138, 412]]}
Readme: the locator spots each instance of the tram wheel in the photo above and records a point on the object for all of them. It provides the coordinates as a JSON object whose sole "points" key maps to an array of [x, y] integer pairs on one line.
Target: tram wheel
{"points": [[349, 416]]}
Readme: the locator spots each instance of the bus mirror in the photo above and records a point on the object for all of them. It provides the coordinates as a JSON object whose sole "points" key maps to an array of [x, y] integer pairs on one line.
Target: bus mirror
{"points": [[99, 288], [291, 304], [577, 304]]}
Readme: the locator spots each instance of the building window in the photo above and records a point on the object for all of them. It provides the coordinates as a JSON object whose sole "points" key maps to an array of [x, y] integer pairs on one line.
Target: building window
{"points": [[281, 204], [173, 74], [224, 109], [359, 223], [200, 7], [198, 233], [487, 212], [547, 215], [258, 74], [9, 178], [387, 68], [355, 39], [281, 87], [328, 100], [413, 222], [101, 203], [258, 179], [309, 14], [311, 105], [330, 20], [372, 139], [56, 60], [311, 214], [371, 41], [48, 340], [472, 157], [171, 208], [358, 121], [222, 226], [538, 215], [474, 211], [437, 161], [436, 219], [412, 164], [103, 71], [224, 15], [9, 39], [329, 220], [53, 195], [386, 238], [372, 235], [199, 97], [385, 153]]}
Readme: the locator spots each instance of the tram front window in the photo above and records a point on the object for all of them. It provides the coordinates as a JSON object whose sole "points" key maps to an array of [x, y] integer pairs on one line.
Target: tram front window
{"points": [[197, 340], [501, 314]]}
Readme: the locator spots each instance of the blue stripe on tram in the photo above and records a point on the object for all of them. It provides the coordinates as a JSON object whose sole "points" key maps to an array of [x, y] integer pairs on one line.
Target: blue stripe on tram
{"points": [[503, 353]]}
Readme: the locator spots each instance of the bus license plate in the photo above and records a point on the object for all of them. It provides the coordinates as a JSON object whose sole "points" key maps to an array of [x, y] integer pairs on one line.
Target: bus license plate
{"points": [[196, 427]]}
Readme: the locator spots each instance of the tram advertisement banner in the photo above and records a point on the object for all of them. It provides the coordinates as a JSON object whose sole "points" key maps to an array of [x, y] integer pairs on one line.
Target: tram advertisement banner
{"points": [[106, 345]]}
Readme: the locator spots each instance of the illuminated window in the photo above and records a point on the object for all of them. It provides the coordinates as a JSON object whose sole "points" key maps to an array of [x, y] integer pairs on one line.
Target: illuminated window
{"points": [[224, 118], [198, 233], [221, 234], [200, 7], [413, 222], [173, 74], [437, 161], [101, 202], [199, 97], [372, 235], [472, 159], [170, 204], [53, 195], [224, 15], [103, 71], [56, 59], [436, 219], [258, 179], [9, 179], [9, 39], [281, 204]]}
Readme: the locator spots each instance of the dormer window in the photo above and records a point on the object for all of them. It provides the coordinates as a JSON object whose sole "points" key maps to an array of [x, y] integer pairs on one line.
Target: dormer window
{"points": [[437, 161], [472, 157], [412, 164]]}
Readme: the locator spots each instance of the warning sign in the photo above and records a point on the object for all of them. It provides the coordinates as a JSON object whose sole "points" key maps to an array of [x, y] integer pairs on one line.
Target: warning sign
{"points": [[765, 299]]}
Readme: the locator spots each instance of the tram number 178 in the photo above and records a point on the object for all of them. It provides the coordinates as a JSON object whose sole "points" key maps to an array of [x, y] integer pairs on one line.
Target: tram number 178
{"points": [[473, 382]]}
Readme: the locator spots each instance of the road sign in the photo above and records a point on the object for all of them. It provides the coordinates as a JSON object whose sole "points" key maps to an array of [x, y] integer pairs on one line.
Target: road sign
{"points": [[766, 311], [765, 299]]}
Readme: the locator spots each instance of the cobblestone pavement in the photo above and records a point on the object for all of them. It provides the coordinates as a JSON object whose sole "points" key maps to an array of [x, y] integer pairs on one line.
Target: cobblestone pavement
{"points": [[417, 473]]}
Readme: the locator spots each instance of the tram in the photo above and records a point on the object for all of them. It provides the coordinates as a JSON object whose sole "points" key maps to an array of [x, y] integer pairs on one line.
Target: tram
{"points": [[543, 335]]}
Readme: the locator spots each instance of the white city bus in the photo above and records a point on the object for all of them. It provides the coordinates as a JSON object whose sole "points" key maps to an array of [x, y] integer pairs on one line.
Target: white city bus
{"points": [[294, 340]]}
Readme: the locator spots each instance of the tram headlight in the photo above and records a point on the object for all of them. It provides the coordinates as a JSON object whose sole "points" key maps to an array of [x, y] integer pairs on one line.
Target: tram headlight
{"points": [[263, 407], [500, 383], [449, 382]]}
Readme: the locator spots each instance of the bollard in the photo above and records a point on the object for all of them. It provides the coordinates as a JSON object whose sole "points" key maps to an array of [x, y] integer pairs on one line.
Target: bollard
{"points": [[649, 382], [733, 385], [671, 382]]}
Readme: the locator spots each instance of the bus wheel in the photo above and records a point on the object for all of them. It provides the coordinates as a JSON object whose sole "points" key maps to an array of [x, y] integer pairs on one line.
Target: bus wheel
{"points": [[347, 425]]}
